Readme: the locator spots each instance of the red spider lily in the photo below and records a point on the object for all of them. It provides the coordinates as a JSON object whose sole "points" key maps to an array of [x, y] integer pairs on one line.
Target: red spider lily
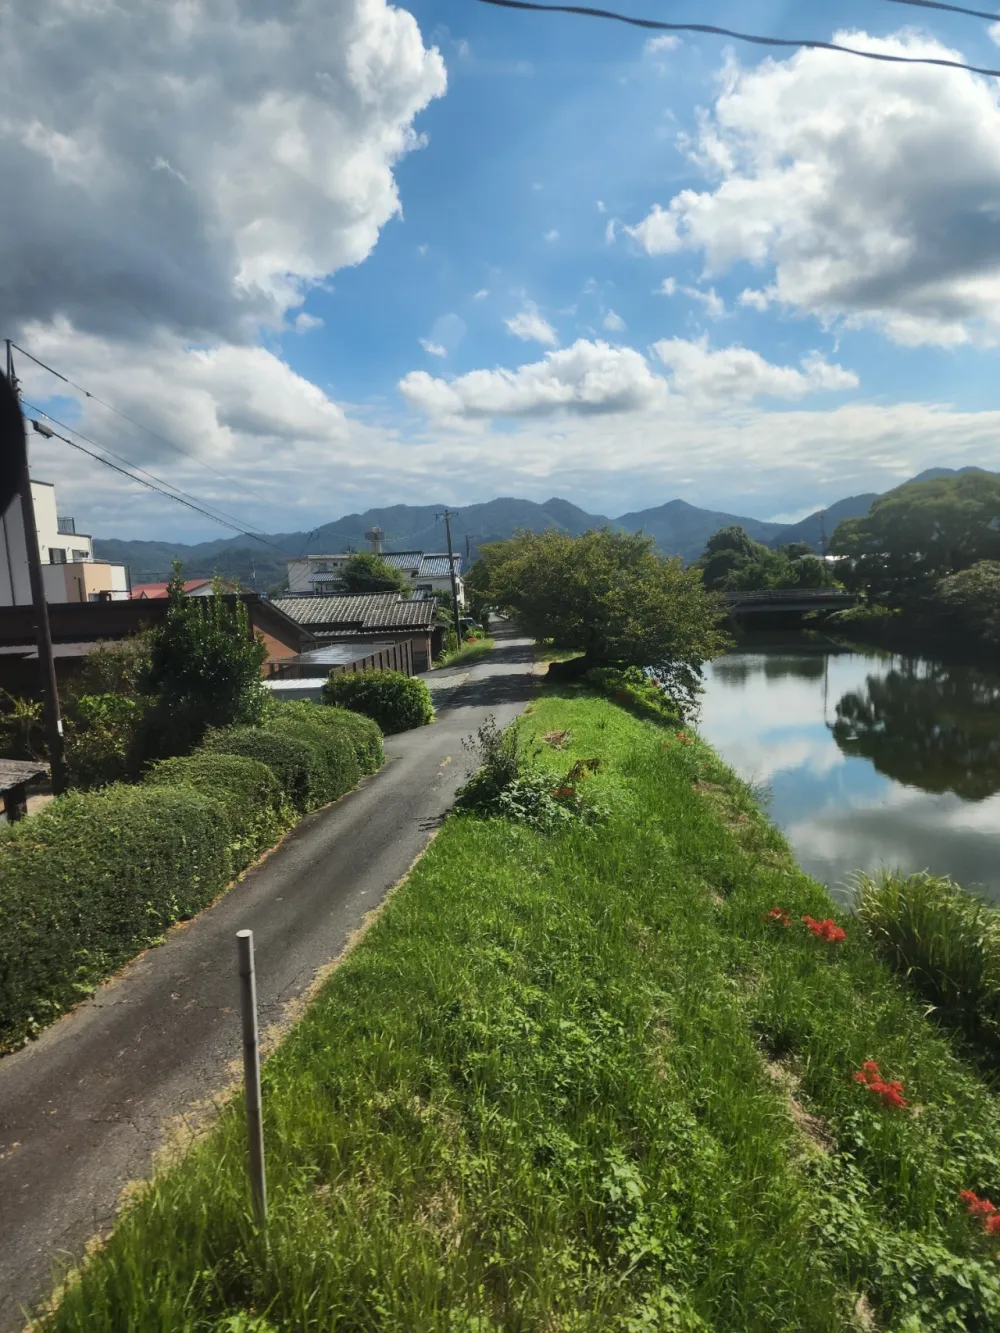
{"points": [[778, 915], [890, 1094], [563, 793], [826, 930], [992, 1225], [982, 1208]]}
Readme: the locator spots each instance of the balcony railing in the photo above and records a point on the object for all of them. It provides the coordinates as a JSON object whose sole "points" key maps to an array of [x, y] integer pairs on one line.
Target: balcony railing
{"points": [[67, 526]]}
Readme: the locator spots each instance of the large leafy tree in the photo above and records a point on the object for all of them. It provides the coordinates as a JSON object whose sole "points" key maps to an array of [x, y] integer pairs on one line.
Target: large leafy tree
{"points": [[972, 597], [734, 562], [368, 572], [609, 594], [919, 533]]}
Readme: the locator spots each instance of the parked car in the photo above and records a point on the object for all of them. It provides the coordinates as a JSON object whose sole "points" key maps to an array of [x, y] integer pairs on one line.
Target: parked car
{"points": [[468, 623]]}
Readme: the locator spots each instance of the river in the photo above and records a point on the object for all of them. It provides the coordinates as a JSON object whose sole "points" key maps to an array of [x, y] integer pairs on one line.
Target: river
{"points": [[867, 760]]}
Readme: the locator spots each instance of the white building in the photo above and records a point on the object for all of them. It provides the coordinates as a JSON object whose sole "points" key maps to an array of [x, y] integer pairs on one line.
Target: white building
{"points": [[69, 571], [426, 571]]}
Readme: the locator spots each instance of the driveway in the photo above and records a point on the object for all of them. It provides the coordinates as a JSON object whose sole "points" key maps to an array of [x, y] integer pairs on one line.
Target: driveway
{"points": [[84, 1109]]}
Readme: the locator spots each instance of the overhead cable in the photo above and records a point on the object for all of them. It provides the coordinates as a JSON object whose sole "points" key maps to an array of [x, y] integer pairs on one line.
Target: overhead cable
{"points": [[952, 9], [711, 30]]}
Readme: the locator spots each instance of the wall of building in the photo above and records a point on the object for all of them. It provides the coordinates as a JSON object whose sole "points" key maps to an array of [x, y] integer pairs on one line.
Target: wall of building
{"points": [[69, 571]]}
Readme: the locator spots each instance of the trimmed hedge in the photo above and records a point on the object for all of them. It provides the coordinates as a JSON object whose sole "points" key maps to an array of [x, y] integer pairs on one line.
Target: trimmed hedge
{"points": [[366, 735], [336, 769], [396, 702], [294, 763], [256, 807], [91, 881]]}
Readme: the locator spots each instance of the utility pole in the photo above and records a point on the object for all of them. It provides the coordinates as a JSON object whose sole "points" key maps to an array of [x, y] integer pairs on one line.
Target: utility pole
{"points": [[448, 515], [46, 662]]}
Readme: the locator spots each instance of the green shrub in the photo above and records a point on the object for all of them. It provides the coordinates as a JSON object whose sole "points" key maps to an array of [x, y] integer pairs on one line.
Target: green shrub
{"points": [[103, 738], [89, 882], [256, 807], [336, 768], [632, 687], [396, 702], [945, 942], [365, 735], [294, 763]]}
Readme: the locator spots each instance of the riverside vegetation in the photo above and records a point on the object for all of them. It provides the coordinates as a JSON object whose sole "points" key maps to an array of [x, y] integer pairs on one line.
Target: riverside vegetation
{"points": [[622, 1073]]}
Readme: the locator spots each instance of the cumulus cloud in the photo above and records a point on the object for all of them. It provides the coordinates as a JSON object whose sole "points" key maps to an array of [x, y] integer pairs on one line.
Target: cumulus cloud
{"points": [[530, 325], [614, 323], [656, 46], [994, 32], [587, 378], [872, 192], [196, 166], [432, 348], [740, 374]]}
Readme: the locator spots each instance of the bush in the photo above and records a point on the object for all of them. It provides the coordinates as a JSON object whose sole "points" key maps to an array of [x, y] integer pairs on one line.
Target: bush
{"points": [[336, 768], [945, 942], [294, 762], [637, 690], [396, 702], [364, 734], [89, 882], [103, 738], [256, 807]]}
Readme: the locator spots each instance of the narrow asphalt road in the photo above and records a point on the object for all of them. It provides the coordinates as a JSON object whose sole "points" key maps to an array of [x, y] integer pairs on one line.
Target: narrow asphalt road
{"points": [[84, 1109]]}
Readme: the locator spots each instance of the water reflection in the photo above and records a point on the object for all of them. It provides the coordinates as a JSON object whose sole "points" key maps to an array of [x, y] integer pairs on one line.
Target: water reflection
{"points": [[869, 761], [927, 725]]}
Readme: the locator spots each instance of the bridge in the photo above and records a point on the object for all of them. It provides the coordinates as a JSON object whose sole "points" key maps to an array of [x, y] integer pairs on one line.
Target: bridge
{"points": [[787, 601]]}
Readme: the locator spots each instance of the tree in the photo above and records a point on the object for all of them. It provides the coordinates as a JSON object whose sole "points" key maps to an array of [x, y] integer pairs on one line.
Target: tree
{"points": [[919, 533], [972, 596], [204, 667], [609, 594], [368, 572], [734, 562]]}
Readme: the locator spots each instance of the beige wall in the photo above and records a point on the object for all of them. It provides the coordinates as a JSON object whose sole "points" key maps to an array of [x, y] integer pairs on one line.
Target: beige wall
{"points": [[74, 579]]}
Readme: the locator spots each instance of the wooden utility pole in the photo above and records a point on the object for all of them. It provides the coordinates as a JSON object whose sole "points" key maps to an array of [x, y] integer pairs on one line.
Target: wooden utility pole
{"points": [[448, 515], [46, 662]]}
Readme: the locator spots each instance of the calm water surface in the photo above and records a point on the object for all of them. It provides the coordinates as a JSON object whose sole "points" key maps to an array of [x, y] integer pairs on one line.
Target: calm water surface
{"points": [[869, 761]]}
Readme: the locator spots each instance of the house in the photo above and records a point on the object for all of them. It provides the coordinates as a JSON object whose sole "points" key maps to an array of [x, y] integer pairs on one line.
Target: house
{"points": [[76, 629], [318, 575], [142, 592], [368, 618], [69, 571]]}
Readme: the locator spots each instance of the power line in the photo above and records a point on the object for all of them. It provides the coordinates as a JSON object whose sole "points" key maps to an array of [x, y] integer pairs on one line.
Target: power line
{"points": [[148, 484], [754, 39], [952, 9], [171, 444]]}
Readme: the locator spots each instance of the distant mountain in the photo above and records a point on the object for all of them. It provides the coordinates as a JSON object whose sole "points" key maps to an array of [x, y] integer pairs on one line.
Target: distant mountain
{"points": [[678, 528]]}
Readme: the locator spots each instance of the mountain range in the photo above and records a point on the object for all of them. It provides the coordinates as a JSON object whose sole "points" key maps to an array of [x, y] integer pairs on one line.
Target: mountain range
{"points": [[678, 528]]}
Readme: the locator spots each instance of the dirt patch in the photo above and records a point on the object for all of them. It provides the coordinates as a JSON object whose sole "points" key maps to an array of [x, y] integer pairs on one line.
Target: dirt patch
{"points": [[812, 1128], [557, 739]]}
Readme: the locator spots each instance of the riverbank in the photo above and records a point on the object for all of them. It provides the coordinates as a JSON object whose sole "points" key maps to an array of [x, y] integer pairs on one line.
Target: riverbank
{"points": [[590, 1080]]}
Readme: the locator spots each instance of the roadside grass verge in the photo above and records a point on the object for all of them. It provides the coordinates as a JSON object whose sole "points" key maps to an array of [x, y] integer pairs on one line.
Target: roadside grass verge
{"points": [[545, 652], [468, 652], [582, 1082]]}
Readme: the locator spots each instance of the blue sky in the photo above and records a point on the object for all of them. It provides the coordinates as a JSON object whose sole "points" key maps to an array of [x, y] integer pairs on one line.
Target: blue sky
{"points": [[348, 259]]}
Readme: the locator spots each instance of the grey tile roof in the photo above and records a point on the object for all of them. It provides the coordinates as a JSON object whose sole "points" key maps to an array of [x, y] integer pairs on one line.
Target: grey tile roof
{"points": [[436, 565], [371, 611]]}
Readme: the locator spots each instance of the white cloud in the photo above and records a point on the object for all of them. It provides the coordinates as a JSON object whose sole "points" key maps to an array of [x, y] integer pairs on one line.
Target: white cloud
{"points": [[601, 206], [531, 326], [304, 323], [994, 32], [668, 287], [756, 300], [740, 374], [611, 231], [872, 192], [656, 46], [551, 235], [432, 348], [482, 294], [614, 323], [587, 378], [714, 305]]}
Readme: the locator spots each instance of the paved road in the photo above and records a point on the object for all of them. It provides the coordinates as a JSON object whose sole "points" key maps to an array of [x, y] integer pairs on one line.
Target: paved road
{"points": [[83, 1109]]}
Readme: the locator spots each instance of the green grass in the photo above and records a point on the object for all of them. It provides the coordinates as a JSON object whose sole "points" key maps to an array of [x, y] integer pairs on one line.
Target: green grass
{"points": [[544, 652], [574, 1082], [469, 652]]}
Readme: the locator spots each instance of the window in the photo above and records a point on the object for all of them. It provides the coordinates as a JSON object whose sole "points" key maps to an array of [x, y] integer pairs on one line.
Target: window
{"points": [[81, 555], [57, 555]]}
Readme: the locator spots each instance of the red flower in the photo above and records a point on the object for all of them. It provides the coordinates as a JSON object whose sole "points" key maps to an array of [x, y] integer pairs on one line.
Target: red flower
{"points": [[563, 792], [777, 915], [992, 1225], [890, 1094], [983, 1208], [826, 930], [685, 739]]}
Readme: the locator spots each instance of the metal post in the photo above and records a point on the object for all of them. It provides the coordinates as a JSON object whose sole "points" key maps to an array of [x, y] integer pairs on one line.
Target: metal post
{"points": [[251, 1073], [454, 580], [46, 662]]}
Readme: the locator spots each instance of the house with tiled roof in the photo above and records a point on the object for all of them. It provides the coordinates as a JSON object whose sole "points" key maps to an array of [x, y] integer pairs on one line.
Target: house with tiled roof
{"points": [[427, 571], [386, 617]]}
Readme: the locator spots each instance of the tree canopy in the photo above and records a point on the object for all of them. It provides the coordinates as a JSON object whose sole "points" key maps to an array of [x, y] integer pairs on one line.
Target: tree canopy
{"points": [[368, 572], [734, 562], [919, 533], [972, 597], [609, 594]]}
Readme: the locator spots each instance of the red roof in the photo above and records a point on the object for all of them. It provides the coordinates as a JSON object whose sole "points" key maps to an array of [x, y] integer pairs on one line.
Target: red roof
{"points": [[145, 590]]}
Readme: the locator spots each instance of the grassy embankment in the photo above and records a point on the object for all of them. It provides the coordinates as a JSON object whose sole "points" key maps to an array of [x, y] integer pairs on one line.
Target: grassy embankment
{"points": [[468, 652], [576, 1082]]}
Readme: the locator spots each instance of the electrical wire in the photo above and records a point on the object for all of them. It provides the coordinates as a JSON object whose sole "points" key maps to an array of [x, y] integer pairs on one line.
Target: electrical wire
{"points": [[952, 9], [712, 31], [220, 513], [189, 504], [171, 444]]}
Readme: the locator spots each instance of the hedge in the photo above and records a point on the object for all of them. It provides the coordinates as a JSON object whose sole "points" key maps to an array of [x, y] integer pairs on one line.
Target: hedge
{"points": [[336, 769], [256, 808], [396, 702], [294, 763], [91, 881], [366, 735]]}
